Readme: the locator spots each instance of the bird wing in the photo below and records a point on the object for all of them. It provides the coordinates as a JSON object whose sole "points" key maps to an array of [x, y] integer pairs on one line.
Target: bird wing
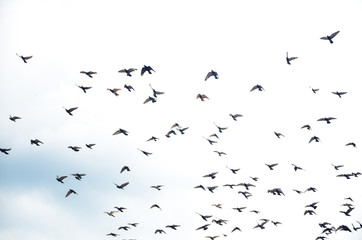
{"points": [[333, 34], [28, 57], [124, 184], [292, 58], [72, 109], [209, 74], [324, 38]]}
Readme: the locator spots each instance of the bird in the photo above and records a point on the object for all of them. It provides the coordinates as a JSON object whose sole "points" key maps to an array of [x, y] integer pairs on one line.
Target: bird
{"points": [[124, 228], [36, 142], [211, 175], [144, 152], [159, 231], [122, 185], [276, 191], [203, 227], [173, 226], [327, 119], [120, 209], [133, 224], [121, 131], [312, 205], [347, 176], [175, 125], [279, 134], [276, 223], [218, 205], [233, 170], [128, 71], [70, 110], [261, 225], [347, 213], [211, 189], [128, 87], [220, 128], [5, 150], [14, 118], [168, 134], [236, 229], [204, 217], [74, 148], [210, 141], [296, 167], [112, 234], [202, 97], [212, 73], [114, 91], [70, 192], [310, 212], [311, 189], [89, 73], [200, 186], [153, 100], [257, 86], [148, 69], [78, 176], [61, 178], [255, 178], [235, 116], [153, 138], [84, 88], [125, 168], [182, 130], [246, 194], [330, 37], [155, 92], [271, 166], [246, 185], [90, 145], [229, 185], [307, 126], [220, 153], [339, 94], [157, 187], [290, 58], [24, 58], [111, 213], [255, 211], [343, 228], [212, 237], [156, 206], [239, 209], [314, 138], [351, 144]]}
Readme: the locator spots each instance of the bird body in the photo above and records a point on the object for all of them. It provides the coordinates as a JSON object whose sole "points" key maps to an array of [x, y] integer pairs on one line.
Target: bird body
{"points": [[212, 73], [36, 142]]}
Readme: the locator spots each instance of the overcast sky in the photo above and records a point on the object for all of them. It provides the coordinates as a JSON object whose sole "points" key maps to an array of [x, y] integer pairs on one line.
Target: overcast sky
{"points": [[246, 43]]}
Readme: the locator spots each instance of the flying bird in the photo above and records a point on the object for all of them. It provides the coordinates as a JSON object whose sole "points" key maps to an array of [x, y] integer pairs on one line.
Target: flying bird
{"points": [[70, 192], [327, 119], [61, 178], [159, 231], [173, 226], [339, 94], [205, 217], [144, 152], [78, 176], [157, 187], [128, 87], [36, 142], [125, 168], [210, 74], [211, 175], [148, 69], [337, 167], [271, 166], [24, 58], [153, 100], [152, 138], [279, 134], [111, 213], [210, 141], [220, 153], [84, 88], [202, 97], [308, 127], [257, 86], [89, 73], [74, 148], [314, 138], [14, 118], [114, 91], [203, 227], [5, 150], [351, 144], [70, 110], [235, 116], [155, 92], [122, 185], [128, 71], [156, 206], [121, 131], [330, 37], [220, 128], [290, 58], [90, 145]]}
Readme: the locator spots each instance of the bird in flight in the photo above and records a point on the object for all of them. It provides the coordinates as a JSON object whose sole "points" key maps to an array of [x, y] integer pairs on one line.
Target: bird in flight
{"points": [[212, 73], [148, 69], [153, 100], [61, 178], [210, 141], [90, 145], [36, 142], [74, 148], [78, 176], [307, 126], [125, 168], [83, 88], [122, 185], [351, 144], [156, 206], [128, 71], [220, 128], [120, 131], [70, 192], [70, 110], [279, 134], [235, 116], [24, 58], [314, 138], [330, 37], [5, 150], [202, 97], [290, 58], [271, 166], [155, 92], [339, 94], [128, 87], [257, 86], [327, 119], [144, 152], [114, 91], [14, 118], [111, 213], [157, 187], [89, 73]]}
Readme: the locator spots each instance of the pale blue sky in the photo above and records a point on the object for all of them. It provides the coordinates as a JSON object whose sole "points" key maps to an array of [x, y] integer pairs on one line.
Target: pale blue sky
{"points": [[246, 43]]}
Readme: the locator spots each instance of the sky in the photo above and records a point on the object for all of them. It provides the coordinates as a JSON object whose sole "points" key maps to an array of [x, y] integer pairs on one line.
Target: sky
{"points": [[246, 43]]}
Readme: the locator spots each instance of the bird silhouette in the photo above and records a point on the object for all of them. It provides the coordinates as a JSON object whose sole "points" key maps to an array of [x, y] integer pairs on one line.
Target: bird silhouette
{"points": [[182, 130], [150, 99], [296, 167], [112, 234], [124, 228], [36, 142], [75, 148], [220, 153], [122, 186], [210, 141], [211, 175], [14, 118], [128, 87], [111, 213], [155, 92], [70, 110], [278, 135], [202, 97], [235, 116], [203, 227], [327, 119], [71, 191], [61, 178], [233, 170], [271, 166], [257, 86], [173, 226], [78, 176], [125, 168], [314, 138], [153, 138], [205, 217], [210, 74], [128, 71], [339, 94], [5, 150], [157, 187], [148, 69], [290, 58], [351, 144], [307, 127], [156, 206], [89, 73], [120, 209], [84, 88], [160, 231], [24, 58], [337, 167], [121, 131], [114, 91], [220, 128], [90, 145], [330, 37], [168, 134], [309, 212], [144, 152]]}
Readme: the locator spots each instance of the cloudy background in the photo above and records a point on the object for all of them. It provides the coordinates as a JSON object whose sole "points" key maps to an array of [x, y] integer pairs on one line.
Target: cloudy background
{"points": [[246, 43]]}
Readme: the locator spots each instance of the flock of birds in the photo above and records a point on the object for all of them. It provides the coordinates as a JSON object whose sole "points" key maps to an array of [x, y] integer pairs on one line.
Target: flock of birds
{"points": [[246, 192]]}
